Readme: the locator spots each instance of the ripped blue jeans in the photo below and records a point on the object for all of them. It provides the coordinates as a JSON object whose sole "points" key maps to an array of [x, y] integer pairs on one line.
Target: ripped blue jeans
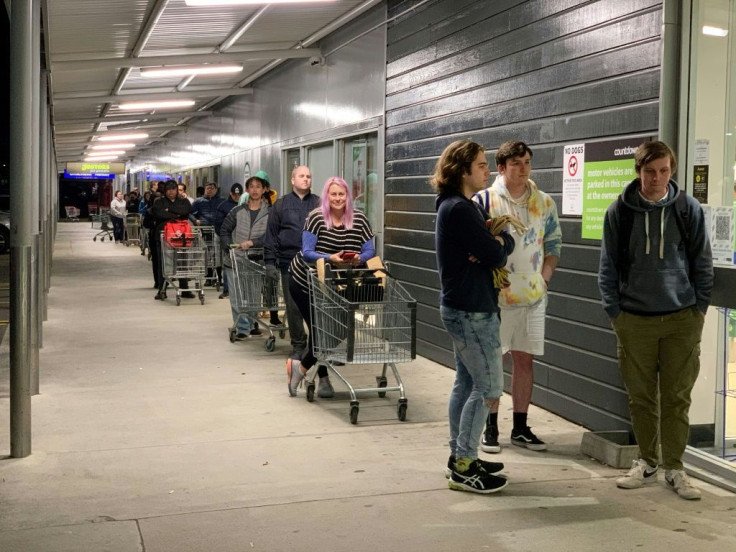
{"points": [[478, 375]]}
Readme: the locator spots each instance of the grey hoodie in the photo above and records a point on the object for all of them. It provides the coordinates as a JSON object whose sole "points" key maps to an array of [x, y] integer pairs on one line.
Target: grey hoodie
{"points": [[661, 279]]}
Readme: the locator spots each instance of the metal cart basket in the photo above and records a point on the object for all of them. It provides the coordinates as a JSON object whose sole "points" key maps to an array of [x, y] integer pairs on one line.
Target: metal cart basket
{"points": [[105, 228], [362, 316], [132, 229], [183, 261], [213, 255], [253, 292]]}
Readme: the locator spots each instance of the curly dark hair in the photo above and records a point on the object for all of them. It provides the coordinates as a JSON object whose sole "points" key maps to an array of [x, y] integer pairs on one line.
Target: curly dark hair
{"points": [[454, 162]]}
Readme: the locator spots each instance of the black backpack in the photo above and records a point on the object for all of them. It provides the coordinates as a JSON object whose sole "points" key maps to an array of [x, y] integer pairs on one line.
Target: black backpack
{"points": [[626, 224]]}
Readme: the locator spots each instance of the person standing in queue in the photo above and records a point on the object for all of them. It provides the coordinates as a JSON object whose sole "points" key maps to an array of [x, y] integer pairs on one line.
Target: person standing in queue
{"points": [[530, 267], [467, 252], [117, 216], [340, 235], [164, 209], [284, 241], [223, 209], [655, 279]]}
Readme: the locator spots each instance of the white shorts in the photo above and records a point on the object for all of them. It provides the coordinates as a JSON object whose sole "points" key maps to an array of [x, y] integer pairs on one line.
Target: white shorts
{"points": [[522, 328]]}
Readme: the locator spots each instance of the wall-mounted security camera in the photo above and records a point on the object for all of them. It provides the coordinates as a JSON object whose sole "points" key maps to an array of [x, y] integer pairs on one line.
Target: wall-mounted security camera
{"points": [[316, 60]]}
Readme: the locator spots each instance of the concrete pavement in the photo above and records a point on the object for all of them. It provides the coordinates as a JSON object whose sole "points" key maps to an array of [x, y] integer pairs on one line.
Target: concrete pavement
{"points": [[153, 433]]}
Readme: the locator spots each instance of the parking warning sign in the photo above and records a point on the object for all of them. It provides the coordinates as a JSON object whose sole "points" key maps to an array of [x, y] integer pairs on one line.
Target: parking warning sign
{"points": [[572, 179]]}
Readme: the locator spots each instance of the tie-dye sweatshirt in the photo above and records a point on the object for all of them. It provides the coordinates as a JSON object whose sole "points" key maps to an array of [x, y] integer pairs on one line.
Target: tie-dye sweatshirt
{"points": [[543, 237]]}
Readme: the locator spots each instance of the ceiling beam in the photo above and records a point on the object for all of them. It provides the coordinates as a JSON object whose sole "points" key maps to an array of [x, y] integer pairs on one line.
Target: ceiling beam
{"points": [[64, 102], [147, 61], [162, 115]]}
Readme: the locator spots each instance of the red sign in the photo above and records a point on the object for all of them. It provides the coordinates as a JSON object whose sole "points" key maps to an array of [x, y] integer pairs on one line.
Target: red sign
{"points": [[572, 166]]}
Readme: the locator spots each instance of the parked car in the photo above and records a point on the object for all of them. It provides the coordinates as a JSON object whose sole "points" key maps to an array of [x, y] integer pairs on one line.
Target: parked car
{"points": [[4, 232]]}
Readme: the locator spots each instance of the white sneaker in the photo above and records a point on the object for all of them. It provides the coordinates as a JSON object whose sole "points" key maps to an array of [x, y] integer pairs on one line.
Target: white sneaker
{"points": [[678, 481], [640, 474]]}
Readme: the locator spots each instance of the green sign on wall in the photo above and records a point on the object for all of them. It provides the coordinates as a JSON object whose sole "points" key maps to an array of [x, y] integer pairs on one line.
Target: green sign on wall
{"points": [[608, 168]]}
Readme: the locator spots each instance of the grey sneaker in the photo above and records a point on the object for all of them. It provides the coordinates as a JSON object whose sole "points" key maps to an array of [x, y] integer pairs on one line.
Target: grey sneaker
{"points": [[639, 475], [325, 389], [294, 375], [678, 481]]}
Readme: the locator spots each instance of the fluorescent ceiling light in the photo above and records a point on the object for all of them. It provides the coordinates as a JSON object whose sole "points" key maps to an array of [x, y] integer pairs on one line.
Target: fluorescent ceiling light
{"points": [[101, 158], [163, 104], [119, 137], [714, 31], [113, 146], [248, 2], [187, 70], [105, 153]]}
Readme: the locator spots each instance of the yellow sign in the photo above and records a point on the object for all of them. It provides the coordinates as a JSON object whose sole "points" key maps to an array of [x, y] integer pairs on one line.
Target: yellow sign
{"points": [[95, 168]]}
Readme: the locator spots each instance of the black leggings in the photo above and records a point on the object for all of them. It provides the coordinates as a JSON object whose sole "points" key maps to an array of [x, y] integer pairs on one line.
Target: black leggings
{"points": [[301, 298]]}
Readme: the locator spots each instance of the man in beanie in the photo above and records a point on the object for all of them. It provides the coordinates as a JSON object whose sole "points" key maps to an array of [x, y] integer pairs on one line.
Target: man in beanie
{"points": [[222, 211]]}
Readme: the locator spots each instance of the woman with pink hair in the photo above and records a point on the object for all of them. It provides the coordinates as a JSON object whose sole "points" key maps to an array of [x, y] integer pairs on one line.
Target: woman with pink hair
{"points": [[343, 237]]}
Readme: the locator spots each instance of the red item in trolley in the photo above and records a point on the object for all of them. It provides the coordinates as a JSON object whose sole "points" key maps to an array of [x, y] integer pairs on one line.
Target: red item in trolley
{"points": [[178, 233]]}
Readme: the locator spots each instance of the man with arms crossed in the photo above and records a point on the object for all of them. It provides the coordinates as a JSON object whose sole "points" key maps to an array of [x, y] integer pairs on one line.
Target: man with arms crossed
{"points": [[523, 303], [284, 241], [466, 254], [655, 286]]}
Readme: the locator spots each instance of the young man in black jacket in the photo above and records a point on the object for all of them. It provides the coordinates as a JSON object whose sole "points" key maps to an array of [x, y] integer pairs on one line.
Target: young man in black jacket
{"points": [[467, 253]]}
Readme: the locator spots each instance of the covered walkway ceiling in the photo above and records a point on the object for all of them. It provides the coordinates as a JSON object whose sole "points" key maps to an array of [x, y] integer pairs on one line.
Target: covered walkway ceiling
{"points": [[96, 51]]}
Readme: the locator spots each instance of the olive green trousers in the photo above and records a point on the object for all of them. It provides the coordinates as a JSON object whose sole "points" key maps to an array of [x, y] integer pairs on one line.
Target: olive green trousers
{"points": [[659, 357]]}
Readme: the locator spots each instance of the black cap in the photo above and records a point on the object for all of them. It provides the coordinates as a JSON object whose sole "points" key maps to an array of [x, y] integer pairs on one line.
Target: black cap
{"points": [[236, 189]]}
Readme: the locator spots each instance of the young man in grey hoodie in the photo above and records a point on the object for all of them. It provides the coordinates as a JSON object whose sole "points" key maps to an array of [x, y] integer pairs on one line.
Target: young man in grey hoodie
{"points": [[656, 287]]}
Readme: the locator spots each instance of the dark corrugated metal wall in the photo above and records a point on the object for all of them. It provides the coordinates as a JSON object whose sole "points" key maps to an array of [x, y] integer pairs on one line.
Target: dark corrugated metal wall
{"points": [[548, 73]]}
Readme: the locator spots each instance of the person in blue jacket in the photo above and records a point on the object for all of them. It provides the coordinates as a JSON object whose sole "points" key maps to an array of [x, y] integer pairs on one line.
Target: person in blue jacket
{"points": [[467, 253]]}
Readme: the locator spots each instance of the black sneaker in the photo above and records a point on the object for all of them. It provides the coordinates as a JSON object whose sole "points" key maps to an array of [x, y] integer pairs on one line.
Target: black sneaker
{"points": [[491, 467], [476, 480], [276, 323], [489, 443], [256, 331], [526, 438], [187, 294], [223, 295]]}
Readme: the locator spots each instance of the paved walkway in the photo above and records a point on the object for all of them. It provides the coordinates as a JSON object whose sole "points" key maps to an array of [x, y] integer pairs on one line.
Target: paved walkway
{"points": [[153, 433]]}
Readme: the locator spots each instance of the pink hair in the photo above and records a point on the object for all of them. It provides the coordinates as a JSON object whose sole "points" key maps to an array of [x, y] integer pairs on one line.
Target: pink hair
{"points": [[347, 219]]}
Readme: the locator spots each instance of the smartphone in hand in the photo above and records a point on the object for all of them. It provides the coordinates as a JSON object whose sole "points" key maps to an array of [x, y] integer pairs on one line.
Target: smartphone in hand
{"points": [[348, 255]]}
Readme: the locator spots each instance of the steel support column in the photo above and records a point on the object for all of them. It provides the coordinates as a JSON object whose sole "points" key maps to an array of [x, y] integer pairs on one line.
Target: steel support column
{"points": [[21, 137], [669, 83]]}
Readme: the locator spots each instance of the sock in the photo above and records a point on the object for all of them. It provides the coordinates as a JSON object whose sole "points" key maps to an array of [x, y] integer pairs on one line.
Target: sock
{"points": [[520, 421], [462, 464], [492, 423]]}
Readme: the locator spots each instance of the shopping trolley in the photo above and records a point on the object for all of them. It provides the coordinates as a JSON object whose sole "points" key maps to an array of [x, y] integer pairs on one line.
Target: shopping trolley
{"points": [[132, 229], [72, 213], [183, 258], [254, 292], [105, 228], [213, 255], [361, 316]]}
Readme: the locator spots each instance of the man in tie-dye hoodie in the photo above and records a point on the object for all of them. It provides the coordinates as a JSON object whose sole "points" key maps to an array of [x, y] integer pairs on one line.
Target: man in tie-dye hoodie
{"points": [[524, 303]]}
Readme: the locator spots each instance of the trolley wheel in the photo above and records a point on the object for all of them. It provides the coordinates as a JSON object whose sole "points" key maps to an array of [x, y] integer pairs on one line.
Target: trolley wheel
{"points": [[354, 412], [270, 344], [401, 410], [282, 334], [381, 382], [127, 244], [94, 239], [310, 392], [217, 286], [163, 295], [233, 335], [178, 300], [201, 298]]}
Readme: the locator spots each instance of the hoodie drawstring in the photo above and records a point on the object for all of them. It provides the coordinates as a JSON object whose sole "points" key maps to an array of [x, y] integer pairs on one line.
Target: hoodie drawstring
{"points": [[661, 232]]}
